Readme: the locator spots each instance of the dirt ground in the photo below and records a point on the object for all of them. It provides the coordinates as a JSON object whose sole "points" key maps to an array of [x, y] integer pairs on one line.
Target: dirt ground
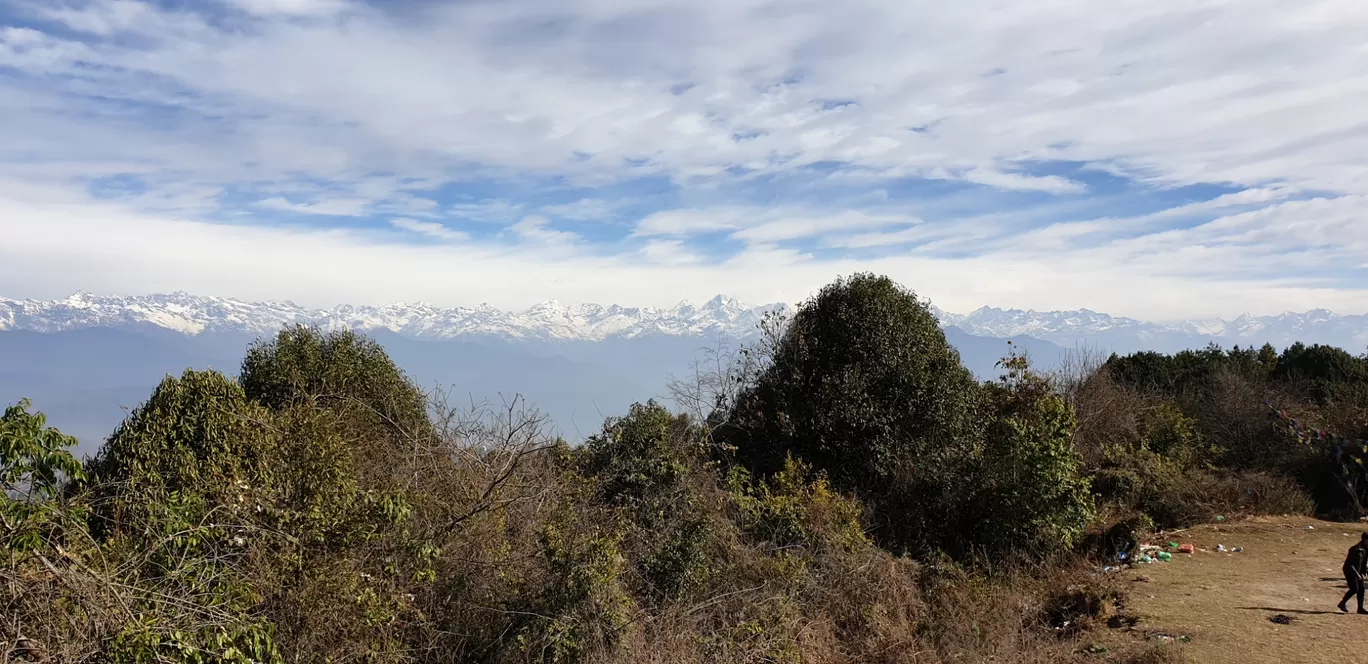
{"points": [[1223, 603]]}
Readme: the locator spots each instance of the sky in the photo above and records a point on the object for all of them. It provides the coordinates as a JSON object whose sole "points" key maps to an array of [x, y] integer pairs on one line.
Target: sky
{"points": [[1160, 159]]}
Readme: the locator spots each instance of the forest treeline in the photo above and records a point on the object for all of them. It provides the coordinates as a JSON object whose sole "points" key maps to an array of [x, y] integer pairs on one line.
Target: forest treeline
{"points": [[841, 490]]}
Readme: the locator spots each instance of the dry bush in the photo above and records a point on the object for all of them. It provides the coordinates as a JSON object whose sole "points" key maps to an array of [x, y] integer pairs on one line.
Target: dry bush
{"points": [[1108, 413], [1234, 417], [1027, 614], [1200, 496]]}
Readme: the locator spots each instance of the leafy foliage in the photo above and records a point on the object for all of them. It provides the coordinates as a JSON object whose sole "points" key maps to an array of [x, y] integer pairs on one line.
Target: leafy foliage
{"points": [[194, 443], [1034, 495], [342, 371], [796, 507], [34, 467], [650, 465], [864, 386], [585, 607]]}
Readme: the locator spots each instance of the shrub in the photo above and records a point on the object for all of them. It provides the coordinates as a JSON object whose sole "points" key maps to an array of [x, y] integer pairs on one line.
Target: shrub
{"points": [[864, 386], [197, 442], [1032, 495], [642, 460], [343, 371], [35, 468], [651, 466], [796, 507], [1200, 496], [584, 607]]}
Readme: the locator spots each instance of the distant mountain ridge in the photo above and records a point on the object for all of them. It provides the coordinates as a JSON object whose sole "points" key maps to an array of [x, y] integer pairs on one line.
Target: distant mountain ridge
{"points": [[548, 321], [86, 358], [720, 316], [1087, 327]]}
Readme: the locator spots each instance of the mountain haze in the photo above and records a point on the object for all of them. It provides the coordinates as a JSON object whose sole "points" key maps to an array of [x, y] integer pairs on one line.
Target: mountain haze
{"points": [[85, 359], [721, 316]]}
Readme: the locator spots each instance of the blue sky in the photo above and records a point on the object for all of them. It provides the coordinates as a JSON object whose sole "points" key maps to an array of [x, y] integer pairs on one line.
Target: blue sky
{"points": [[1159, 158]]}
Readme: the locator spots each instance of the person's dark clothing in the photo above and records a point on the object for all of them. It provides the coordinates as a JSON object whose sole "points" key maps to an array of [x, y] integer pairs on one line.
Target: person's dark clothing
{"points": [[1357, 559], [1355, 566], [1355, 582]]}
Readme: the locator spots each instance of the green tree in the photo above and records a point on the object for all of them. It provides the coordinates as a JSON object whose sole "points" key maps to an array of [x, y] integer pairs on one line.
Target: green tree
{"points": [[651, 466], [343, 371], [1034, 495], [180, 493], [864, 386], [35, 464], [196, 442], [1332, 373]]}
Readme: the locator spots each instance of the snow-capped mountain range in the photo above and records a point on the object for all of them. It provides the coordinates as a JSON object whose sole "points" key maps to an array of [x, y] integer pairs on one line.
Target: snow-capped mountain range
{"points": [[1086, 327], [548, 321], [552, 321]]}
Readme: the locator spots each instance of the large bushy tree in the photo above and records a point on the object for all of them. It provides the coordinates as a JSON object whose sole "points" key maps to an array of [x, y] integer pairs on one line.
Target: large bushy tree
{"points": [[343, 371], [194, 442], [864, 386]]}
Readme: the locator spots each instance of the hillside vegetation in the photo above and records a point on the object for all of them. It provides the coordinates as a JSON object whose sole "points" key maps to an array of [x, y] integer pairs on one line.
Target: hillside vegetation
{"points": [[844, 490]]}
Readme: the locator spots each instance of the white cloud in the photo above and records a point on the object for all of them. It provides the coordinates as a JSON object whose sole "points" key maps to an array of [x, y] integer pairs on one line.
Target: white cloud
{"points": [[585, 209], [1174, 90], [670, 252], [356, 109], [796, 227], [761, 226], [430, 229], [346, 207], [533, 229], [1016, 181], [54, 249], [290, 7]]}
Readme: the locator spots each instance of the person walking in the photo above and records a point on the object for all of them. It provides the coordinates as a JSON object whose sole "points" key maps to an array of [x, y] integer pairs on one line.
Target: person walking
{"points": [[1355, 567]]}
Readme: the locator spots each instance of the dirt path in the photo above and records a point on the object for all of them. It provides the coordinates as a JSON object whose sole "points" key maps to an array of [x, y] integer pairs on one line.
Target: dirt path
{"points": [[1224, 601]]}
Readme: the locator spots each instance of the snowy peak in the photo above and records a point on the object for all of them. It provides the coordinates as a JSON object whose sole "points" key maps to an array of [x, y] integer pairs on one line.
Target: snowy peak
{"points": [[721, 315], [550, 320], [1084, 326]]}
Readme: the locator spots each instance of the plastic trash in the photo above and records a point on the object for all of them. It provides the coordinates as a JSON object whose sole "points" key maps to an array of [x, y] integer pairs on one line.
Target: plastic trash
{"points": [[1220, 547], [1186, 548], [1165, 556], [1237, 549], [1310, 527], [1220, 518], [1173, 545]]}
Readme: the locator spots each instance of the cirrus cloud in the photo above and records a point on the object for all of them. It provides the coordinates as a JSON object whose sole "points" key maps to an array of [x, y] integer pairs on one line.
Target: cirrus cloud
{"points": [[1195, 146]]}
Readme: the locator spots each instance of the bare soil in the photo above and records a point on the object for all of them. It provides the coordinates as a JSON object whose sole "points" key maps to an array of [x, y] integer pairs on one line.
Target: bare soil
{"points": [[1218, 608]]}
